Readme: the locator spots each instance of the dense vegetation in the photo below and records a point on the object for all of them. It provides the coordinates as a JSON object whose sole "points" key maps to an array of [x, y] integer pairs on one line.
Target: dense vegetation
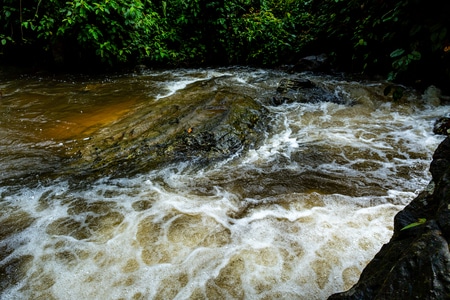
{"points": [[405, 39]]}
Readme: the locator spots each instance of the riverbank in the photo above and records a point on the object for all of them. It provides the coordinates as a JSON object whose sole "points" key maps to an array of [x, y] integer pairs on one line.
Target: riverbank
{"points": [[415, 262]]}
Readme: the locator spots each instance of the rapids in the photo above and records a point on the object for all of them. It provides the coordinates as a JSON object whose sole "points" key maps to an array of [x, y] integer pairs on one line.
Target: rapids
{"points": [[296, 218]]}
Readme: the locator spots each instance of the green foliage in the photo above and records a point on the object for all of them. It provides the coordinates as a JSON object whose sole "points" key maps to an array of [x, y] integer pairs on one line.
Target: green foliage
{"points": [[114, 31], [266, 31], [171, 31], [420, 221], [397, 38], [262, 36], [402, 61], [405, 39]]}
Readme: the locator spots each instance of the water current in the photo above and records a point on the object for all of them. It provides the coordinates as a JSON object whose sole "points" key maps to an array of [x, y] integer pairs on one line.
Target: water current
{"points": [[298, 217]]}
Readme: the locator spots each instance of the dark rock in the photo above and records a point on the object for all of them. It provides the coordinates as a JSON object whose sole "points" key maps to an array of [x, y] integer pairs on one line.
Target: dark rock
{"points": [[441, 160], [442, 126], [286, 85], [302, 90], [415, 264]]}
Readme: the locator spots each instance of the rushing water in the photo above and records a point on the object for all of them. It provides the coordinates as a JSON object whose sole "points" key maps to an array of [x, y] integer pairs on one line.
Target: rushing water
{"points": [[297, 218]]}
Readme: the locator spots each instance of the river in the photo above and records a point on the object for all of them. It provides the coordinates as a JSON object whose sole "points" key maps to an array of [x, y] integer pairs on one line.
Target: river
{"points": [[296, 217]]}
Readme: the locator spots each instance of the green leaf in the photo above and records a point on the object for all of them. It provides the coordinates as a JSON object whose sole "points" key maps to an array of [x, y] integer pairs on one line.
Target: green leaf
{"points": [[415, 29], [421, 221], [415, 55], [164, 6], [397, 52]]}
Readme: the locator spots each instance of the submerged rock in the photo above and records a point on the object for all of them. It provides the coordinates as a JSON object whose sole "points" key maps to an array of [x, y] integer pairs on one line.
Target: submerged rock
{"points": [[415, 264], [205, 123]]}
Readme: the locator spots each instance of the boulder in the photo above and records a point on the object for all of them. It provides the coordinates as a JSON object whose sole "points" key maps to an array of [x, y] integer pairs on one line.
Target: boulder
{"points": [[302, 90], [203, 124], [415, 264]]}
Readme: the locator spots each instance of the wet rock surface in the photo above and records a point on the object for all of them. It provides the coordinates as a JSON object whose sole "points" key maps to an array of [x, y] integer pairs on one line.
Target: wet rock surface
{"points": [[205, 123], [304, 91], [415, 264], [442, 126]]}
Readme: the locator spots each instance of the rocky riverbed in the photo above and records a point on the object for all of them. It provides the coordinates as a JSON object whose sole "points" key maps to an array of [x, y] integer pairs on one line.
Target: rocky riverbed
{"points": [[204, 183]]}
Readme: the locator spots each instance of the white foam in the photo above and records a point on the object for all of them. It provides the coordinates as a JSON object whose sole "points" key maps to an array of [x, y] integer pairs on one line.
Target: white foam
{"points": [[175, 86], [227, 232], [188, 77], [263, 242]]}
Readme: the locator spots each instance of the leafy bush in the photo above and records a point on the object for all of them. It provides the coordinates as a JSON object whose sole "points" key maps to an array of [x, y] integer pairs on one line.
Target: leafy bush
{"points": [[405, 40], [114, 31], [172, 31], [401, 39]]}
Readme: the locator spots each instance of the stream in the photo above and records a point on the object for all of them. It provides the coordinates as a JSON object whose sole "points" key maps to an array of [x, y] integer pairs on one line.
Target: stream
{"points": [[297, 215]]}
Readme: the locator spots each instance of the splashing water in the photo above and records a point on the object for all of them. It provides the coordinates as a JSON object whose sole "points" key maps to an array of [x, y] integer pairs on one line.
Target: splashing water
{"points": [[297, 218]]}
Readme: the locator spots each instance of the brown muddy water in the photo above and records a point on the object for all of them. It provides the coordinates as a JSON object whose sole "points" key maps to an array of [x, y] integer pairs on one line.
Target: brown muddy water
{"points": [[297, 217]]}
